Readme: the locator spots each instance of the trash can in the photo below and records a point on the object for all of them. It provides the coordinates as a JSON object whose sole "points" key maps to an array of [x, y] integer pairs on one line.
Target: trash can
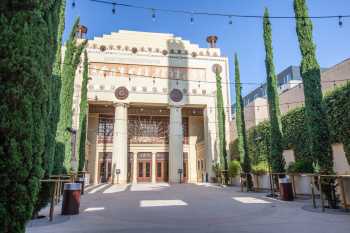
{"points": [[286, 189], [81, 180], [71, 199]]}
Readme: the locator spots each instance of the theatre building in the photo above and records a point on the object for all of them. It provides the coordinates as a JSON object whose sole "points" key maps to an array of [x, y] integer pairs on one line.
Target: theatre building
{"points": [[152, 108]]}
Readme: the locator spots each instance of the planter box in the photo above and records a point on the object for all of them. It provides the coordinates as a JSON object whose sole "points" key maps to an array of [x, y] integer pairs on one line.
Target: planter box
{"points": [[302, 185], [261, 181], [235, 181]]}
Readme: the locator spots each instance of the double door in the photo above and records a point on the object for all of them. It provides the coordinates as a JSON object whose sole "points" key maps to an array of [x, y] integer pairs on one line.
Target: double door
{"points": [[144, 167], [162, 167]]}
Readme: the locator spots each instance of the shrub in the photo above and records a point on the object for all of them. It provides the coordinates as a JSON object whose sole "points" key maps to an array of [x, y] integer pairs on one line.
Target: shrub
{"points": [[261, 168], [234, 168], [300, 166]]}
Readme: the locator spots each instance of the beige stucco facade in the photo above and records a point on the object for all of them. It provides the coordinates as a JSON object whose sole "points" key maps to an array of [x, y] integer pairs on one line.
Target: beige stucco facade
{"points": [[133, 76]]}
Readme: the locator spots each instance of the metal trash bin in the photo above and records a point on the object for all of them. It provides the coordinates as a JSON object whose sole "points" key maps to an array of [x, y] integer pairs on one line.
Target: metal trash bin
{"points": [[286, 189], [81, 180], [71, 199]]}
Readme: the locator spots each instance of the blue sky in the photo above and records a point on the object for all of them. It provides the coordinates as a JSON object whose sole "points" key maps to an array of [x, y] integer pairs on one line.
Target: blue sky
{"points": [[244, 36]]}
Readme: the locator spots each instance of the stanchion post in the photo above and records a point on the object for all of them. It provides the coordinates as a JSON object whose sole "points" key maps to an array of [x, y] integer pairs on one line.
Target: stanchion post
{"points": [[321, 194], [313, 191], [343, 194]]}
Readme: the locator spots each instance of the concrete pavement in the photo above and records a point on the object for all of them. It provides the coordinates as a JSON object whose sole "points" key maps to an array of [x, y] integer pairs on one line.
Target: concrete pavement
{"points": [[188, 208]]}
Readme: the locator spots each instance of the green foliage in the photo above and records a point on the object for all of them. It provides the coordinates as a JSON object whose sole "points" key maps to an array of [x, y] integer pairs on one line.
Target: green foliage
{"points": [[233, 150], [337, 105], [318, 138], [53, 104], [83, 114], [276, 149], [27, 49], [221, 123], [234, 168], [260, 168], [72, 55], [217, 170], [240, 122], [259, 142], [300, 166]]}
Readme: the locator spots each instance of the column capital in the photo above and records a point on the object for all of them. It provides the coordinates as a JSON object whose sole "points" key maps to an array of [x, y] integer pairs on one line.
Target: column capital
{"points": [[175, 106], [120, 104]]}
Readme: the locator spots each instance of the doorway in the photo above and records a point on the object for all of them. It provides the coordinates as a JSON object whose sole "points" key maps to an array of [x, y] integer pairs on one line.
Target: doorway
{"points": [[105, 167], [162, 167], [144, 167], [185, 167]]}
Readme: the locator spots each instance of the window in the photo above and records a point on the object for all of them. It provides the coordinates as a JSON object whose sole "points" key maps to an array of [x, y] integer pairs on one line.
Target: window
{"points": [[105, 128], [140, 169], [159, 169], [148, 169]]}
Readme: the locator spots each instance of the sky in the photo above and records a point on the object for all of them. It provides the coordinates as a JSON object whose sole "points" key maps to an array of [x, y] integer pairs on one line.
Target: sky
{"points": [[243, 36]]}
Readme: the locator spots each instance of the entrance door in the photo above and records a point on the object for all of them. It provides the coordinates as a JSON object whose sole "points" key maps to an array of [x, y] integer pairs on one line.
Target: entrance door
{"points": [[105, 167], [130, 166], [185, 167], [162, 167], [144, 167]]}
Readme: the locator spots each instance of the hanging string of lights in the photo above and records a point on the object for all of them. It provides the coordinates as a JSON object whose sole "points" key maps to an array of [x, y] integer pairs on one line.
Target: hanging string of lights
{"points": [[191, 14]]}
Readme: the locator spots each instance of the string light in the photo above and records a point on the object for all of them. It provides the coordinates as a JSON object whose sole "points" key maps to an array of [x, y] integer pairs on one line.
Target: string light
{"points": [[215, 14], [153, 15], [230, 20], [340, 21], [113, 9], [192, 19], [73, 3]]}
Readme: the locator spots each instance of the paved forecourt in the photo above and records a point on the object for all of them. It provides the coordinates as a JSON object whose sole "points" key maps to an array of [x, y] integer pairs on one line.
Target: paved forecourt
{"points": [[201, 208]]}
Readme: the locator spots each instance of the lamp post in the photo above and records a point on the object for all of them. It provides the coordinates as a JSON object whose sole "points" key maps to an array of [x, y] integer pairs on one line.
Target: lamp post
{"points": [[73, 161]]}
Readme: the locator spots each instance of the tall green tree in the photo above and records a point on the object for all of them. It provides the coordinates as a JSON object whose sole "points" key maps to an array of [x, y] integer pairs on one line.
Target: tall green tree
{"points": [[221, 122], [315, 117], [318, 133], [276, 150], [26, 57], [53, 106], [240, 124], [74, 49], [83, 113]]}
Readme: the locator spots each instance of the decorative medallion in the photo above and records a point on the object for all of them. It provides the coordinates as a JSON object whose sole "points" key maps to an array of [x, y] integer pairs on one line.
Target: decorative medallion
{"points": [[217, 68], [194, 54], [164, 52], [176, 95], [121, 93], [134, 50], [102, 48]]}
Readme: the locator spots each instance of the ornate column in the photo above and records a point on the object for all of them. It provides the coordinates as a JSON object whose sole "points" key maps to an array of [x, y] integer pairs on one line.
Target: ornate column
{"points": [[175, 143], [134, 174], [120, 144], [153, 167]]}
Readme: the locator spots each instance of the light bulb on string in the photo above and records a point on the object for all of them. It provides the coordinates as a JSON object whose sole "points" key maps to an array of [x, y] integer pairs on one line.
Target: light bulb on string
{"points": [[340, 21], [73, 3], [192, 19], [153, 15], [230, 20], [113, 9]]}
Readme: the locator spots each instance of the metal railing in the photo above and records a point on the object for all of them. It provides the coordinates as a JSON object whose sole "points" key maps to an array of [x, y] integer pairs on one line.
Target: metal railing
{"points": [[314, 177]]}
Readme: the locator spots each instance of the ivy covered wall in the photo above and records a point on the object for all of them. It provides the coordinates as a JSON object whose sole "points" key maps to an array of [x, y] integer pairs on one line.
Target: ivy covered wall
{"points": [[337, 105]]}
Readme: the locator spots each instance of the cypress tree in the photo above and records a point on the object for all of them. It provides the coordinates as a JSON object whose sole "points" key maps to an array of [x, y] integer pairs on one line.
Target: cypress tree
{"points": [[241, 131], [276, 150], [315, 117], [53, 105], [74, 48], [26, 58], [83, 113], [221, 123]]}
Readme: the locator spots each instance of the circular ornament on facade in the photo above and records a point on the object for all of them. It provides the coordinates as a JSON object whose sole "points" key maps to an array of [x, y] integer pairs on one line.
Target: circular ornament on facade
{"points": [[121, 93], [103, 48], [176, 95], [164, 52], [217, 68], [134, 50], [194, 54]]}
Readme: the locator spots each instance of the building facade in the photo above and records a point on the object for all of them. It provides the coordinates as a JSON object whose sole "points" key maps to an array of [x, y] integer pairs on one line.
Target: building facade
{"points": [[152, 108], [291, 93]]}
